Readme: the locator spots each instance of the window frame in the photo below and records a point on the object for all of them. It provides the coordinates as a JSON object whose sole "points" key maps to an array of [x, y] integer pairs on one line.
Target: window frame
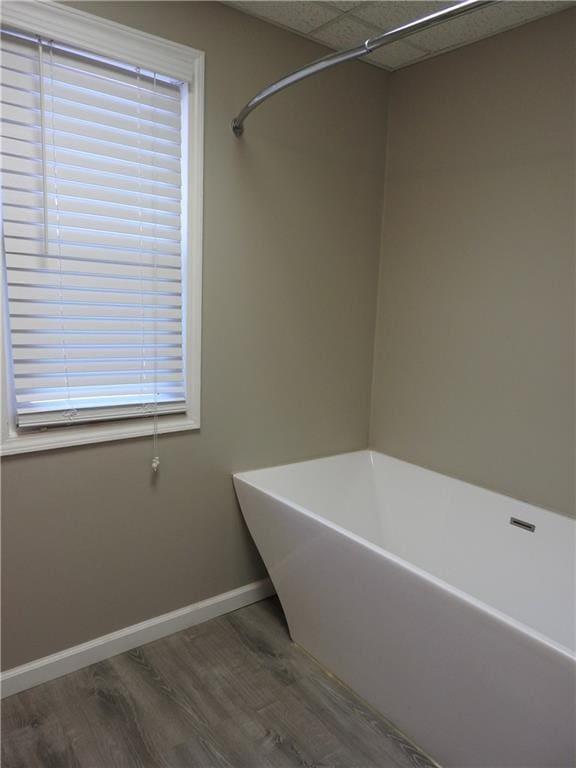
{"points": [[106, 38]]}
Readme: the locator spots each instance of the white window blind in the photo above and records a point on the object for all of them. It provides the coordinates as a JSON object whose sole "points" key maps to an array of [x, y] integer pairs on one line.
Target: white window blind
{"points": [[92, 197]]}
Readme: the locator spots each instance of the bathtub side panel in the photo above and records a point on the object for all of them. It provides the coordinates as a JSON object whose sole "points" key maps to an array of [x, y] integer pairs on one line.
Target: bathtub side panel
{"points": [[462, 534], [468, 688]]}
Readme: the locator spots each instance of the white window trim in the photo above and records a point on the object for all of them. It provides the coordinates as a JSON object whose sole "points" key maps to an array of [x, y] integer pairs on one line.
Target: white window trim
{"points": [[106, 38]]}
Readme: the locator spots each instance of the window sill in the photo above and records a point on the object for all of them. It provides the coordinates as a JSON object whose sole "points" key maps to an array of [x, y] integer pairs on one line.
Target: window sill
{"points": [[67, 437]]}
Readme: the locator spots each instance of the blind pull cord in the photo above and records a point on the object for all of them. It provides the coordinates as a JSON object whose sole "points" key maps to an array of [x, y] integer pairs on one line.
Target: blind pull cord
{"points": [[155, 450], [140, 243], [43, 148], [155, 460], [155, 464], [70, 414]]}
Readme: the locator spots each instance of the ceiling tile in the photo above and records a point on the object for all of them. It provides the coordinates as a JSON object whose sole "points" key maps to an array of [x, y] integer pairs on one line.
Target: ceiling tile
{"points": [[344, 6], [299, 16], [347, 24], [391, 13], [487, 21], [395, 55], [345, 32]]}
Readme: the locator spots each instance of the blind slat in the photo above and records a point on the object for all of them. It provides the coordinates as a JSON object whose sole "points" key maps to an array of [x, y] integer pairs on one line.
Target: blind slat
{"points": [[86, 365], [18, 202], [107, 409], [77, 250], [58, 79], [72, 309], [107, 144], [63, 162], [79, 185], [63, 100], [53, 265], [54, 324], [122, 353], [31, 216], [129, 234], [118, 136], [129, 367], [146, 270], [64, 118]]}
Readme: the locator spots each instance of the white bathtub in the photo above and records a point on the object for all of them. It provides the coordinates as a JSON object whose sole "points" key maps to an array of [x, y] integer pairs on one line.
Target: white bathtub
{"points": [[416, 590]]}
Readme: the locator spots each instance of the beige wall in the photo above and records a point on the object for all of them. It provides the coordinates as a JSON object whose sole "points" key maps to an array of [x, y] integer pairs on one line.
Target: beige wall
{"points": [[473, 370], [292, 228], [474, 358]]}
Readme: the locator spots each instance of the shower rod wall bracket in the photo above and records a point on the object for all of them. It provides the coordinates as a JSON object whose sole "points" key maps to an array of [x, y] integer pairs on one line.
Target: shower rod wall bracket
{"points": [[363, 49]]}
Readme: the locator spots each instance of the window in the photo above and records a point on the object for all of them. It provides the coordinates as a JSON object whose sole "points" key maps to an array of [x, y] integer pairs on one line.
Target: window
{"points": [[101, 210]]}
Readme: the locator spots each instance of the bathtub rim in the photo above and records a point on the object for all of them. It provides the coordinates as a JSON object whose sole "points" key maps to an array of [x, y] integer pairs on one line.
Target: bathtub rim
{"points": [[406, 565], [371, 452]]}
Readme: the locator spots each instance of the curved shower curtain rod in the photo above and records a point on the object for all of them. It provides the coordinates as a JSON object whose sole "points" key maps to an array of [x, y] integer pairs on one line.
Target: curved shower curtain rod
{"points": [[355, 53]]}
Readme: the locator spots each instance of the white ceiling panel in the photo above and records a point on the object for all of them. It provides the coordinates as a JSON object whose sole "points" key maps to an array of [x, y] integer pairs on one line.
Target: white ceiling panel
{"points": [[296, 15], [345, 32], [486, 22], [341, 25], [390, 15], [345, 6], [396, 55]]}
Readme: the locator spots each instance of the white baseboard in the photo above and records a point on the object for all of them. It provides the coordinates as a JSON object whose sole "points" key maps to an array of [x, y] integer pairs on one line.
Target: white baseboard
{"points": [[58, 664]]}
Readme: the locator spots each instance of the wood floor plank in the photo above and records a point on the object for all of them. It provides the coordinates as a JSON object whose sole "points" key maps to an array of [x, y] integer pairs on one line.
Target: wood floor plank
{"points": [[244, 744], [105, 719], [231, 693], [362, 730], [33, 733], [300, 727]]}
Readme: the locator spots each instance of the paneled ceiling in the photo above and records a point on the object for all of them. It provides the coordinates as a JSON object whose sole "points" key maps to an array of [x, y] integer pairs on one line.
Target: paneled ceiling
{"points": [[341, 25]]}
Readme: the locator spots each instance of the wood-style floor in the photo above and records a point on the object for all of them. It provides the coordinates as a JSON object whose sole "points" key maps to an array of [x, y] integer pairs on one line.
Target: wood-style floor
{"points": [[231, 693]]}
